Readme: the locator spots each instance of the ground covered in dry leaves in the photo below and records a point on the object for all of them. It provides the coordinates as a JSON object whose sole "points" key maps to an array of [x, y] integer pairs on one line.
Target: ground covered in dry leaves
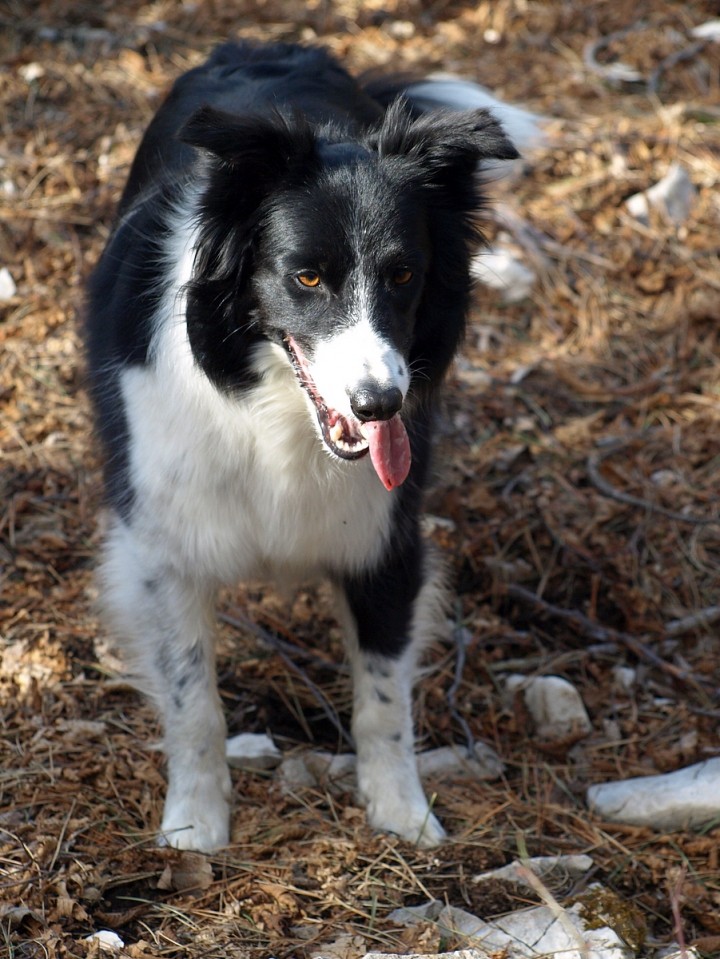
{"points": [[577, 491]]}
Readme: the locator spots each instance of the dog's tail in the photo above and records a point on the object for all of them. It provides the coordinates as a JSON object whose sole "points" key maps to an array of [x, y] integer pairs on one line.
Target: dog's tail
{"points": [[440, 91]]}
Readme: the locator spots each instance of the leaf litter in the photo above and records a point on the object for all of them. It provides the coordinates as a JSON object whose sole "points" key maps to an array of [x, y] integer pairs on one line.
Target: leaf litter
{"points": [[576, 499]]}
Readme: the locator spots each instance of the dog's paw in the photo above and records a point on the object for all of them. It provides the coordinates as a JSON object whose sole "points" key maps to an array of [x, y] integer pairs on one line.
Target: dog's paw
{"points": [[190, 824], [412, 822]]}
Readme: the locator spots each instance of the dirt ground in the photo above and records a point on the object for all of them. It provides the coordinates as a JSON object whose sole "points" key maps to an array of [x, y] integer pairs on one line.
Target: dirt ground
{"points": [[576, 499]]}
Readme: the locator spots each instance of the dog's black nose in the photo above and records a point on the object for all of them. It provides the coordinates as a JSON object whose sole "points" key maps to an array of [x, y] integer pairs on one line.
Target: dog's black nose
{"points": [[376, 403]]}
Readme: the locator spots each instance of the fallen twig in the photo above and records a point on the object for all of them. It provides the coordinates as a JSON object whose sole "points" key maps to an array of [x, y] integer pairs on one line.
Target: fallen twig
{"points": [[687, 53], [594, 461], [703, 617], [241, 622], [616, 72], [603, 634]]}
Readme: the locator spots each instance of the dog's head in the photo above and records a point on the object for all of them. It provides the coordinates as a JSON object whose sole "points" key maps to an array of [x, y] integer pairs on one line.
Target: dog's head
{"points": [[351, 253]]}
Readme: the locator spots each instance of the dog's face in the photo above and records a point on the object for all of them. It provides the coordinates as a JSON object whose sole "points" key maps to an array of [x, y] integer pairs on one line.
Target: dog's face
{"points": [[339, 274], [353, 255]]}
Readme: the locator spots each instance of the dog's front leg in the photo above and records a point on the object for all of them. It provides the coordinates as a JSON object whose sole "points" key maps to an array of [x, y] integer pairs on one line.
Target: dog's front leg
{"points": [[166, 622], [389, 614], [197, 807]]}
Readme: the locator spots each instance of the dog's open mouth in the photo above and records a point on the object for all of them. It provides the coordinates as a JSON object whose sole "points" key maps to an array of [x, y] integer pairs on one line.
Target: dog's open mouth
{"points": [[347, 438], [341, 433]]}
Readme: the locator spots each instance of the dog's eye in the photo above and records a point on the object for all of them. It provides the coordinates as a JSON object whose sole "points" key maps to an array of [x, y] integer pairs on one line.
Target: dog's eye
{"points": [[308, 278], [402, 276]]}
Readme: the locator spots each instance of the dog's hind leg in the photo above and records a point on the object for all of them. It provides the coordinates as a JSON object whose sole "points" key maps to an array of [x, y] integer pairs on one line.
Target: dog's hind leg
{"points": [[389, 615], [165, 621]]}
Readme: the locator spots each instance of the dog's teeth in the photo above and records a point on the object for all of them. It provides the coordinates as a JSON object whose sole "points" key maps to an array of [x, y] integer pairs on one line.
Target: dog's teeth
{"points": [[336, 432]]}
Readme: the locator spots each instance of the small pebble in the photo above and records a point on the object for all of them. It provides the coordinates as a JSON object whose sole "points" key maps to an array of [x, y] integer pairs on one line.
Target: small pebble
{"points": [[7, 285]]}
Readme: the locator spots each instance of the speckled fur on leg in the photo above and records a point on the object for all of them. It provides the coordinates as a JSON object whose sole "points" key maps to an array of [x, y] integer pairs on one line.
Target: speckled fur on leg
{"points": [[388, 780]]}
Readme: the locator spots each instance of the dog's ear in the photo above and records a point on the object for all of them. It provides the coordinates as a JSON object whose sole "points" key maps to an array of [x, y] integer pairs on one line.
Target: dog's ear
{"points": [[262, 146], [444, 143], [441, 152]]}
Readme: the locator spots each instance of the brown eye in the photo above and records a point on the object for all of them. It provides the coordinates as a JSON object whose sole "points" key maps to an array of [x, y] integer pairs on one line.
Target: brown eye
{"points": [[308, 278], [402, 276]]}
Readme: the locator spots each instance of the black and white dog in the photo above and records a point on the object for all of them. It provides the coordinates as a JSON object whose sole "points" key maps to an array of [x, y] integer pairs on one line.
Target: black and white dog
{"points": [[267, 329]]}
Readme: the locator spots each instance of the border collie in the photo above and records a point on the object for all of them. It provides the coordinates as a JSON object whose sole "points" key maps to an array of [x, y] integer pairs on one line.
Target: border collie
{"points": [[268, 328]]}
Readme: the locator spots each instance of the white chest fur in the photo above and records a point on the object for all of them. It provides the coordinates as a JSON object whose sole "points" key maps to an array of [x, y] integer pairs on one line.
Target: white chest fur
{"points": [[241, 488]]}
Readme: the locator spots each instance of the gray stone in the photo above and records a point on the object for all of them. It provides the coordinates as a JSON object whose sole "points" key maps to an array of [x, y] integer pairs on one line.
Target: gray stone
{"points": [[682, 799]]}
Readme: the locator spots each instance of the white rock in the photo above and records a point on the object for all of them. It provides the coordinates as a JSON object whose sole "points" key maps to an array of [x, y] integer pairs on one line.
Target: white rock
{"points": [[537, 932], [31, 72], [624, 677], [337, 772], [328, 766], [710, 30], [554, 704], [542, 866], [664, 478], [293, 772], [7, 285], [252, 751], [526, 129], [484, 763], [673, 952], [673, 197], [344, 946], [77, 730], [401, 29], [411, 915], [638, 206], [318, 768], [108, 940], [502, 269], [611, 729], [682, 799]]}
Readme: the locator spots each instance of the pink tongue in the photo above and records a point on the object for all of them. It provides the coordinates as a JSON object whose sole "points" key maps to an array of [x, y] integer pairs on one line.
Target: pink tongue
{"points": [[389, 450]]}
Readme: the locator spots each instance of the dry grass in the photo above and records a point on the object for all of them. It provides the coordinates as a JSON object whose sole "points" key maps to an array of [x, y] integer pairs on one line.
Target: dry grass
{"points": [[582, 468]]}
